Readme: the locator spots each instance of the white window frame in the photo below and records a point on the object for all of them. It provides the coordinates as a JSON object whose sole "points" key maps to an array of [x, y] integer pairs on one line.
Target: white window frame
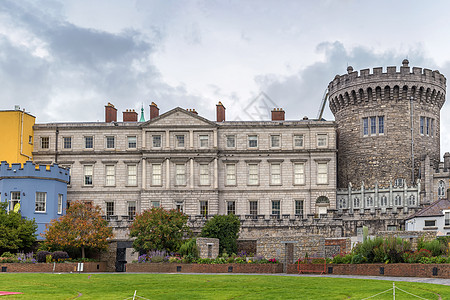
{"points": [[320, 138], [40, 203], [132, 175], [131, 209], [108, 140], [203, 141], [178, 139], [275, 138], [204, 174], [14, 199], [132, 142], [275, 174], [253, 211], [276, 208], [45, 141], [298, 139], [299, 208], [88, 170], [229, 138], [204, 208], [110, 175], [322, 172], [253, 174], [233, 207], [85, 142], [230, 170], [67, 142], [252, 138], [60, 204], [299, 173], [157, 174], [155, 139], [180, 177], [109, 204], [446, 217], [365, 126], [155, 203]]}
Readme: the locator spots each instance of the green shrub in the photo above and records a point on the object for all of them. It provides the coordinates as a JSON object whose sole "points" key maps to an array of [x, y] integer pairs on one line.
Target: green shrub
{"points": [[189, 247], [358, 259], [226, 229], [435, 247], [7, 254]]}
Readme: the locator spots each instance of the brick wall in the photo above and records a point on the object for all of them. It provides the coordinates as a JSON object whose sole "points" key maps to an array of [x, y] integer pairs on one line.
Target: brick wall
{"points": [[89, 267], [396, 270], [200, 268]]}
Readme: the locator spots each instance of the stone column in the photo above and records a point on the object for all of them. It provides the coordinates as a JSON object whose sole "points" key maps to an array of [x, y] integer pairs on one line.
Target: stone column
{"points": [[376, 200], [216, 174], [167, 174], [167, 141], [191, 173], [191, 139], [144, 173], [215, 138], [143, 146]]}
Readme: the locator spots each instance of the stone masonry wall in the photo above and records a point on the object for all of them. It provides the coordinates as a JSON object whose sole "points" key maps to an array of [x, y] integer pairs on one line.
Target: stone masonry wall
{"points": [[208, 247]]}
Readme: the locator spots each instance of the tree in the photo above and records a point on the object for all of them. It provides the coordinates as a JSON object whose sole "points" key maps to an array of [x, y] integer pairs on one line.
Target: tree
{"points": [[81, 227], [159, 229], [16, 233], [226, 229]]}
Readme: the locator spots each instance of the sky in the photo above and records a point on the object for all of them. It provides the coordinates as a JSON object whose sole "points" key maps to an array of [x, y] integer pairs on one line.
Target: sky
{"points": [[63, 61]]}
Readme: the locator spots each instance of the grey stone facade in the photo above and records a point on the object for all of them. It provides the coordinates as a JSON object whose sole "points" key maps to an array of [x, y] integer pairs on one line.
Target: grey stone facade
{"points": [[387, 123], [208, 247]]}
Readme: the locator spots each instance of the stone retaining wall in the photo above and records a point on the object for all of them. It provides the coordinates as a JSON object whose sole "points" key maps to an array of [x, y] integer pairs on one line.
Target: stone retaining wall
{"points": [[88, 267], [396, 270], [204, 268]]}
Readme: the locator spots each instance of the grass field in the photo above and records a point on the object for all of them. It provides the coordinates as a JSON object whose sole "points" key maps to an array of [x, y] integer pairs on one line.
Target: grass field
{"points": [[179, 286]]}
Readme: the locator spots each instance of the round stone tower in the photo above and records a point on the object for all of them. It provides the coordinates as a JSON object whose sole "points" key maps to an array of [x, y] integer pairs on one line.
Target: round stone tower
{"points": [[387, 123]]}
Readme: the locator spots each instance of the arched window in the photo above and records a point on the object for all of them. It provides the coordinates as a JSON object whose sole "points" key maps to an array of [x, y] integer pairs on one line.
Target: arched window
{"points": [[398, 200], [441, 189], [369, 201], [412, 200], [356, 202], [383, 201], [342, 203]]}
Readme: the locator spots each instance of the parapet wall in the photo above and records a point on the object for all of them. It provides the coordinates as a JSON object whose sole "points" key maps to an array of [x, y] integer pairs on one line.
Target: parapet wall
{"points": [[31, 170]]}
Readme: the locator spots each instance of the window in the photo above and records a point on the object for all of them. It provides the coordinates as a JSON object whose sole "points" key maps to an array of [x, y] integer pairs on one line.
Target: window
{"points": [[156, 204], [356, 202], [15, 200], [447, 218], [204, 174], [275, 141], [322, 173], [322, 140], [275, 176], [383, 201], [253, 207], [131, 210], [428, 126], [60, 203], [156, 140], [180, 174], [299, 208], [45, 142], [179, 206], [299, 173], [132, 174], [253, 174], [432, 127], [391, 228], [204, 208], [373, 125], [89, 142], [179, 141], [30, 140], [398, 200], [110, 142], [341, 204], [369, 201], [398, 182], [441, 189], [412, 200], [276, 208], [252, 141], [231, 208], [110, 175], [109, 209], [231, 174], [231, 141], [430, 223], [298, 141], [67, 142], [381, 124], [156, 174], [422, 120], [203, 141], [365, 126], [132, 142], [41, 199], [88, 174]]}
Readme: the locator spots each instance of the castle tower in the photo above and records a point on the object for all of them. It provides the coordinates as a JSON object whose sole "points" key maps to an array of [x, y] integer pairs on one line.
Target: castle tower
{"points": [[387, 123]]}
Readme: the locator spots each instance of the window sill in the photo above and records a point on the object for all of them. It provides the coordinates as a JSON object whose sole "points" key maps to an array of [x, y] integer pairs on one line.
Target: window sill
{"points": [[275, 184], [430, 228], [156, 185], [299, 184], [87, 186], [250, 184], [131, 185], [109, 186], [40, 212], [230, 185]]}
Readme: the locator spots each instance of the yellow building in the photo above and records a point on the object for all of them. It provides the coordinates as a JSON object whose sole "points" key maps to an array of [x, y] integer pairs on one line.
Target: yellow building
{"points": [[16, 136]]}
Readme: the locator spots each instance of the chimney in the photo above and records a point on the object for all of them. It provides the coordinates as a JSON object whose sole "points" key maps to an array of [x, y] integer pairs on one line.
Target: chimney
{"points": [[154, 111], [130, 115], [447, 160], [192, 111], [220, 112], [277, 114], [110, 113]]}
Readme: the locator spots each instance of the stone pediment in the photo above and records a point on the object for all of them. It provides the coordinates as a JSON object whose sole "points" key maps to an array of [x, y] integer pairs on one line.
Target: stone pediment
{"points": [[179, 117]]}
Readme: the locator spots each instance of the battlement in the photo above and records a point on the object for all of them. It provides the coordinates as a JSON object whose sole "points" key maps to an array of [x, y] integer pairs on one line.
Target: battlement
{"points": [[31, 170]]}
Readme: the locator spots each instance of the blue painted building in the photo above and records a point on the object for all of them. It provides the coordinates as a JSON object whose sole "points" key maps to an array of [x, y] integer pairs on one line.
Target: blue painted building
{"points": [[41, 192]]}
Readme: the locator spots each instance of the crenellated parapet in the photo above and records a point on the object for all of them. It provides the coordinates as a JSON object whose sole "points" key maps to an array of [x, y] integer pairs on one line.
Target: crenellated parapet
{"points": [[353, 88], [31, 170]]}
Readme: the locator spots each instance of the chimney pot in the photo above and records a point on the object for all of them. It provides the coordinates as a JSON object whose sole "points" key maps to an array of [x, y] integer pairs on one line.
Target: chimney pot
{"points": [[110, 113], [220, 112], [278, 114], [130, 116], [154, 111]]}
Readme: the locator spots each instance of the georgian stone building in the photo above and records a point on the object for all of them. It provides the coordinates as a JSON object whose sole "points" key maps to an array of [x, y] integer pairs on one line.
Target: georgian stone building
{"points": [[255, 169]]}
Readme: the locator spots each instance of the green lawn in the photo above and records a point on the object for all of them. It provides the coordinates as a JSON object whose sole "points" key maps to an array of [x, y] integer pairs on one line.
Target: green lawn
{"points": [[178, 286]]}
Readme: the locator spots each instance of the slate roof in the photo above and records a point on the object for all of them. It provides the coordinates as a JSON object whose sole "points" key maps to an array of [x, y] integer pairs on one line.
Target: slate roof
{"points": [[435, 209]]}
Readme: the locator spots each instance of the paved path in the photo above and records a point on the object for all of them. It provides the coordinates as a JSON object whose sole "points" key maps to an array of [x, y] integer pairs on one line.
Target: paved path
{"points": [[441, 281]]}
